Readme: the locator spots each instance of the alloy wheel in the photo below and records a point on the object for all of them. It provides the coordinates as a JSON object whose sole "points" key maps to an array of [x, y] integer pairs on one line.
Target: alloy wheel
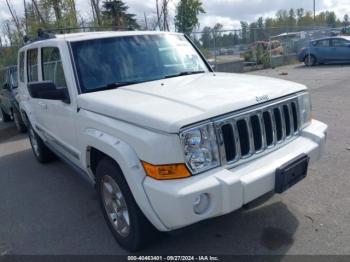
{"points": [[115, 206]]}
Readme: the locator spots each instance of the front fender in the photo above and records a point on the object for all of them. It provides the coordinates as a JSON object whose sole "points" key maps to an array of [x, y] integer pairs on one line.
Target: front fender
{"points": [[129, 163]]}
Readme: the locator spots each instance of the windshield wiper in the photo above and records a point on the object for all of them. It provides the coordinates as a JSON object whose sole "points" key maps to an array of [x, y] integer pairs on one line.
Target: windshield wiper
{"points": [[185, 73], [116, 85]]}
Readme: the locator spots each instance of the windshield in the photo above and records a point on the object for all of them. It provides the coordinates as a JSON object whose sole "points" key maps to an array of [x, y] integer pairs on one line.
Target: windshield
{"points": [[104, 63]]}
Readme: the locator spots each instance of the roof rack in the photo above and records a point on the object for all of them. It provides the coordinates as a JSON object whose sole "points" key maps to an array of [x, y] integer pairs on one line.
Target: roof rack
{"points": [[42, 34]]}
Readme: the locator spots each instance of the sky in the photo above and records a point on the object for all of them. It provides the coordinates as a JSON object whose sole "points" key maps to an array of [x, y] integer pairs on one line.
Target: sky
{"points": [[227, 12]]}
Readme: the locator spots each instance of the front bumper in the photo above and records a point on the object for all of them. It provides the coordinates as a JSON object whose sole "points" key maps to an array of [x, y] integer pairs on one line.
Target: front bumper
{"points": [[228, 190]]}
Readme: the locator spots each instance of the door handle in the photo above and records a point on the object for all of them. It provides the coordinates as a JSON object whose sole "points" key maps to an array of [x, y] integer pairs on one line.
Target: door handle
{"points": [[43, 105]]}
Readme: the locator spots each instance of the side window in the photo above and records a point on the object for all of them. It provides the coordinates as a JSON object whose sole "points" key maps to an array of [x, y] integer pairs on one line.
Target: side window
{"points": [[32, 65], [13, 78], [322, 43], [21, 67], [52, 66], [340, 43]]}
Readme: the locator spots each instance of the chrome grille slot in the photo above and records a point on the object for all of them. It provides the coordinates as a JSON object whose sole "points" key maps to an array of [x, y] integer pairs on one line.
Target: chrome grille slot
{"points": [[229, 141], [244, 138], [278, 121], [256, 131], [268, 128], [257, 134], [287, 119], [295, 116]]}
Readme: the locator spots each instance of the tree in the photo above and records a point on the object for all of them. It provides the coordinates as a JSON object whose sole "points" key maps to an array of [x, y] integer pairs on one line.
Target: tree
{"points": [[346, 21], [260, 34], [292, 21], [206, 37], [321, 19], [186, 18], [300, 14], [115, 13], [331, 19], [244, 32], [96, 11], [15, 19]]}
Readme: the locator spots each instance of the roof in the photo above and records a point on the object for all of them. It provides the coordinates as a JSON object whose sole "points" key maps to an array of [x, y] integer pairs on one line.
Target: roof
{"points": [[332, 37], [73, 37], [104, 34]]}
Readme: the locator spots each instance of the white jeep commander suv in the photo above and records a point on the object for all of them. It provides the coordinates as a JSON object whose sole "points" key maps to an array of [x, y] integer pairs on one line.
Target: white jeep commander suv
{"points": [[166, 141]]}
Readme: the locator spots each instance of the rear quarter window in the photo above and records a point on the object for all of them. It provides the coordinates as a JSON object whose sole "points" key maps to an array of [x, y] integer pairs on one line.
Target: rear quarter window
{"points": [[32, 65]]}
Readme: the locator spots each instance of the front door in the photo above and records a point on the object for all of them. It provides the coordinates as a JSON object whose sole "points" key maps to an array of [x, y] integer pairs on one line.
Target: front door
{"points": [[323, 50], [59, 117]]}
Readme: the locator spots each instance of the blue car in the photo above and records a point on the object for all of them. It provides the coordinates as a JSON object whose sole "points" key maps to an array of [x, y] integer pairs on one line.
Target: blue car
{"points": [[326, 50]]}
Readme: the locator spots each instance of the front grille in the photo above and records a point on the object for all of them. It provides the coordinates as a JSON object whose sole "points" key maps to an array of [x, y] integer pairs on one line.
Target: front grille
{"points": [[252, 132]]}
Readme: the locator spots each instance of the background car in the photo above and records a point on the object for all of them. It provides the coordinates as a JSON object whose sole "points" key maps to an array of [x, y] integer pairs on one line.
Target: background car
{"points": [[9, 107], [326, 50]]}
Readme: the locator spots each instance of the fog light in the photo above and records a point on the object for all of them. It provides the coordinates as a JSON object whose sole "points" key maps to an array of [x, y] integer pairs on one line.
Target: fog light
{"points": [[201, 203]]}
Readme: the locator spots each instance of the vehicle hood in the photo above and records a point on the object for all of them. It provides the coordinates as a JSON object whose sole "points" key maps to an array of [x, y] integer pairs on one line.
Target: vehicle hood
{"points": [[170, 104]]}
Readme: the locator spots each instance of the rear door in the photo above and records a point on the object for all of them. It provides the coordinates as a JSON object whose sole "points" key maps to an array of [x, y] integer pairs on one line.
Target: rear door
{"points": [[37, 105], [341, 49]]}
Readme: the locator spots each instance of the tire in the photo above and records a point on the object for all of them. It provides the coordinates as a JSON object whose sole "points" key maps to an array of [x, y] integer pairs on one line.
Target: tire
{"points": [[41, 152], [21, 127], [310, 60], [119, 208], [4, 117]]}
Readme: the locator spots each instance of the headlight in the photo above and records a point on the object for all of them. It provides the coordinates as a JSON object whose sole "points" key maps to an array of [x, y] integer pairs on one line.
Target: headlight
{"points": [[304, 102], [200, 147]]}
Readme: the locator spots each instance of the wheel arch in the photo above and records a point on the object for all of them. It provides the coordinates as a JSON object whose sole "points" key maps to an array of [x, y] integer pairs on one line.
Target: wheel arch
{"points": [[311, 54], [100, 145]]}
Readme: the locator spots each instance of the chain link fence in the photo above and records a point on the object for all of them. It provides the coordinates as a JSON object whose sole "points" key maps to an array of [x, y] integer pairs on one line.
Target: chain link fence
{"points": [[233, 50], [8, 55], [258, 48]]}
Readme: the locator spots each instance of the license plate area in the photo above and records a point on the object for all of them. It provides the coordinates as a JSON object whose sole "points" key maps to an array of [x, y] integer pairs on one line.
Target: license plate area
{"points": [[291, 173]]}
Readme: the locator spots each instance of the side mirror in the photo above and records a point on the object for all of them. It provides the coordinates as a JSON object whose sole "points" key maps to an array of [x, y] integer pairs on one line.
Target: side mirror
{"points": [[48, 90]]}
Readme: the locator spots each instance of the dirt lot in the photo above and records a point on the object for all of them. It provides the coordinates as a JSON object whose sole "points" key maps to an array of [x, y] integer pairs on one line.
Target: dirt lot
{"points": [[49, 210]]}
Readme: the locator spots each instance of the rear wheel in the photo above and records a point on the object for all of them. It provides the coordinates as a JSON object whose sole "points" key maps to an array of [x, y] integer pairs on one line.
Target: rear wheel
{"points": [[4, 117], [41, 152], [126, 221], [310, 60], [21, 127]]}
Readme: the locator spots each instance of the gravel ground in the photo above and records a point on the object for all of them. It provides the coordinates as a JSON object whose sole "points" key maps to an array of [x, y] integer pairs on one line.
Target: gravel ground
{"points": [[47, 209]]}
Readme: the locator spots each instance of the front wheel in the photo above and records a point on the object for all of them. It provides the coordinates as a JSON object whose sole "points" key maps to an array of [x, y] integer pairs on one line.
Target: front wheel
{"points": [[310, 60], [126, 221]]}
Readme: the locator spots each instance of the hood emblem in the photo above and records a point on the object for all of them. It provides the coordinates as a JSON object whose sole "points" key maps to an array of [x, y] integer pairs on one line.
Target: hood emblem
{"points": [[262, 98]]}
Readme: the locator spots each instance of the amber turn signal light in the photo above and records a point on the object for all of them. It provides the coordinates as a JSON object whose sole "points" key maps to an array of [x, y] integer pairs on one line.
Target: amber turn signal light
{"points": [[163, 172]]}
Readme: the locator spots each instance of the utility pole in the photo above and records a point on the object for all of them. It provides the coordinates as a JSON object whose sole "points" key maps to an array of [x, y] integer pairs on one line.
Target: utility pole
{"points": [[314, 10]]}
